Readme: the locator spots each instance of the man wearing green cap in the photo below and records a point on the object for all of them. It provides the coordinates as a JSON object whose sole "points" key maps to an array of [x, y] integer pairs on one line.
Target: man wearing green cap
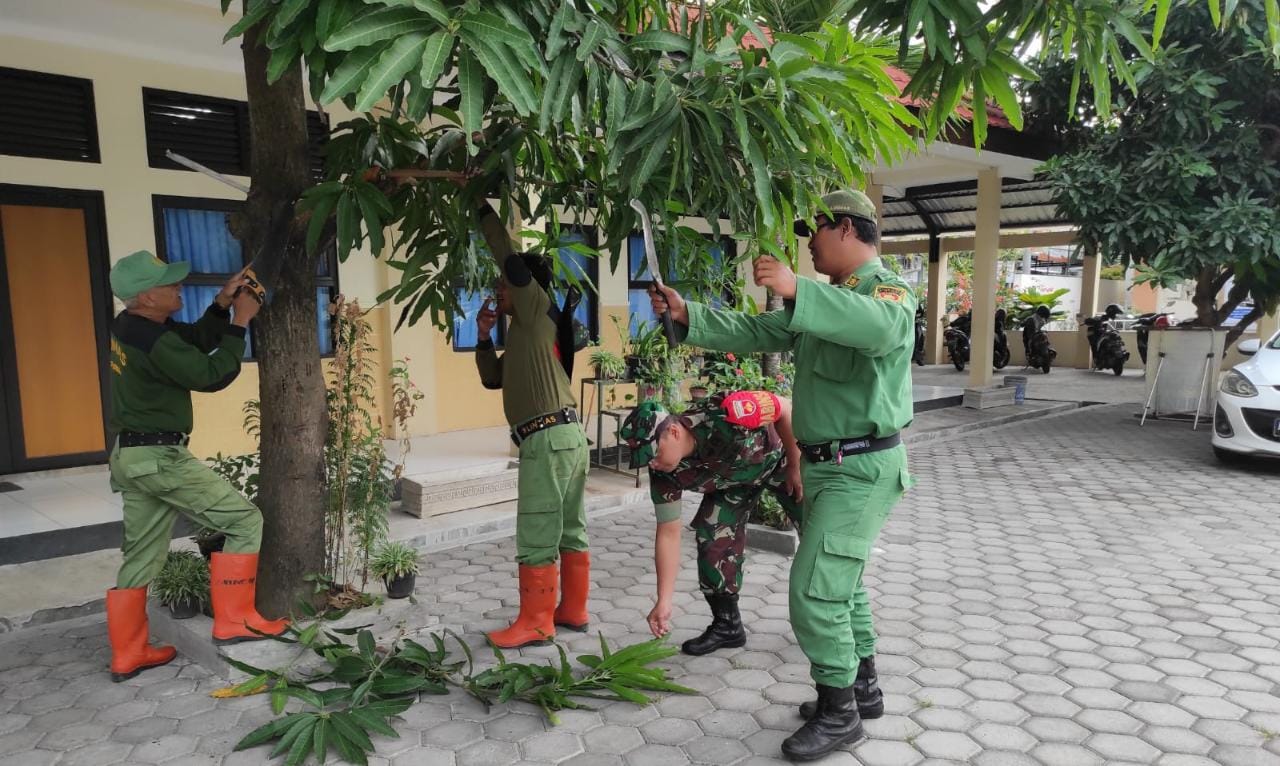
{"points": [[732, 447], [852, 340], [155, 365]]}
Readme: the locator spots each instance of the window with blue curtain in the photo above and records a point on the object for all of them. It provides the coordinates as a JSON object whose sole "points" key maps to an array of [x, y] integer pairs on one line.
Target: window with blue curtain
{"points": [[639, 280], [586, 270], [469, 304], [196, 231]]}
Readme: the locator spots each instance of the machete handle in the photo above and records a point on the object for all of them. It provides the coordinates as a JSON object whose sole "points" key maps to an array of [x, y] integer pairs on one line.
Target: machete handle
{"points": [[670, 328]]}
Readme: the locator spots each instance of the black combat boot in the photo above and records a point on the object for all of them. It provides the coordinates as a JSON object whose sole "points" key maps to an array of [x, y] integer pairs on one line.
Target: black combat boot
{"points": [[835, 723], [725, 630], [866, 690]]}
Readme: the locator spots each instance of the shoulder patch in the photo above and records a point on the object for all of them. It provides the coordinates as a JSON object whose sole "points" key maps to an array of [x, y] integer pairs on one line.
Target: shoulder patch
{"points": [[891, 293], [751, 409], [852, 281], [134, 331]]}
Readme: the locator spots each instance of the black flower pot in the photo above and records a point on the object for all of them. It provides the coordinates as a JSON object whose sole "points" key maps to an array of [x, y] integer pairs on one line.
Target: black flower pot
{"points": [[633, 366], [184, 610], [400, 587], [211, 545], [698, 392]]}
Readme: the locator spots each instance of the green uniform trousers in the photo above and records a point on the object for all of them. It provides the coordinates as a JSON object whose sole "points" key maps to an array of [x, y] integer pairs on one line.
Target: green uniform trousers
{"points": [[157, 484], [550, 515], [845, 506]]}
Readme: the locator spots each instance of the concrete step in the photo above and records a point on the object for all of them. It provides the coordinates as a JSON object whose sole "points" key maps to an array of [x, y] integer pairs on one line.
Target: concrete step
{"points": [[434, 494]]}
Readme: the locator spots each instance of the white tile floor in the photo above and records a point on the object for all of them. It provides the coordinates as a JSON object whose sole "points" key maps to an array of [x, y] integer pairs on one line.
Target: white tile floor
{"points": [[54, 500]]}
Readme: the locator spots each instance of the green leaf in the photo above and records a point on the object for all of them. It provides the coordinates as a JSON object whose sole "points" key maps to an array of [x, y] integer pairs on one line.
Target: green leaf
{"points": [[496, 30], [348, 223], [979, 113], [660, 40], [351, 73], [434, 8], [288, 13], [434, 58], [1004, 95], [373, 722], [303, 743], [382, 24], [258, 10], [344, 723], [267, 732], [595, 35], [281, 59], [1162, 17], [396, 61], [505, 70], [319, 741], [279, 696], [471, 86]]}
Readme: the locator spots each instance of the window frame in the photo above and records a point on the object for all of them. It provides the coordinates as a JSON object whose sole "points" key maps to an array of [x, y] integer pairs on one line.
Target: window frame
{"points": [[728, 250], [499, 327], [159, 202]]}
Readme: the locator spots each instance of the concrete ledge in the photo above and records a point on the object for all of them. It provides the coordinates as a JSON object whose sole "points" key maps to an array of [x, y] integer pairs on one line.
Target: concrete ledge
{"points": [[988, 397], [762, 538]]}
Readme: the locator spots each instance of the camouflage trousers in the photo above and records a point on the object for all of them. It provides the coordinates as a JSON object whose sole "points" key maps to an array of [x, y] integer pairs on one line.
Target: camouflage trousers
{"points": [[720, 528]]}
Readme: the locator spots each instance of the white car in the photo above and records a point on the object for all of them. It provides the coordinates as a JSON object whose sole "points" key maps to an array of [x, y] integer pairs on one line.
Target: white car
{"points": [[1247, 419]]}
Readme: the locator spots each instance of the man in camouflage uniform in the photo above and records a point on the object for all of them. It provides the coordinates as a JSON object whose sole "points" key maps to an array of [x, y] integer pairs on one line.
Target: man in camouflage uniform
{"points": [[732, 448]]}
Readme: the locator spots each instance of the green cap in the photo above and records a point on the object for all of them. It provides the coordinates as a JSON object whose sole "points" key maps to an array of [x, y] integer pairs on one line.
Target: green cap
{"points": [[640, 431], [141, 271], [844, 202]]}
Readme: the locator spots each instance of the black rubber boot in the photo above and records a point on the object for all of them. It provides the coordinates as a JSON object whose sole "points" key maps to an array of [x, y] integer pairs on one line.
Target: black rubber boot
{"points": [[725, 630], [866, 690], [835, 723]]}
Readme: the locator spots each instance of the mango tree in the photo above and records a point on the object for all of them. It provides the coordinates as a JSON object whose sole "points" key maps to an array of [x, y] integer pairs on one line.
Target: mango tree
{"points": [[741, 111]]}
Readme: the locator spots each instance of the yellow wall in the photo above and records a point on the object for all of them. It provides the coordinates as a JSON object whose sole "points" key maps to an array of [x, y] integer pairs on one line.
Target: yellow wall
{"points": [[127, 184]]}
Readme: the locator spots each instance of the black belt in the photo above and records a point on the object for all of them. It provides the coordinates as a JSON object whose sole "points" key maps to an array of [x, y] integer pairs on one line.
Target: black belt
{"points": [[541, 423], [162, 439], [841, 448]]}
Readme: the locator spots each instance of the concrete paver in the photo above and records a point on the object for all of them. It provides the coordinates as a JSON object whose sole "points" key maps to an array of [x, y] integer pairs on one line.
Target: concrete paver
{"points": [[1039, 604]]}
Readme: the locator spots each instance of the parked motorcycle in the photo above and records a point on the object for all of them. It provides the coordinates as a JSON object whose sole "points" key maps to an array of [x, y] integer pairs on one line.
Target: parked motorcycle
{"points": [[956, 337], [1000, 357], [1105, 342], [1035, 341], [1145, 324], [917, 356]]}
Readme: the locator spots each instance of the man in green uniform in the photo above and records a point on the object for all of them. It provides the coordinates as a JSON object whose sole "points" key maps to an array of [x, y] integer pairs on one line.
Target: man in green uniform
{"points": [[732, 447], [534, 374], [155, 365], [852, 341]]}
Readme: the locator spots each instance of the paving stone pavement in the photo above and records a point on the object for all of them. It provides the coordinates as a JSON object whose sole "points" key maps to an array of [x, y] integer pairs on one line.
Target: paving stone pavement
{"points": [[1068, 591]]}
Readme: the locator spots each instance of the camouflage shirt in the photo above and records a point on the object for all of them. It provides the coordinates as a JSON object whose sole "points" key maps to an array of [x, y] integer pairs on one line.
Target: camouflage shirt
{"points": [[728, 454]]}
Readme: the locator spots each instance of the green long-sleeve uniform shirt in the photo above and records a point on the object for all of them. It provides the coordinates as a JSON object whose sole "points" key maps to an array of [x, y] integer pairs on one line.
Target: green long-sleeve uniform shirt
{"points": [[155, 367], [529, 373], [852, 347]]}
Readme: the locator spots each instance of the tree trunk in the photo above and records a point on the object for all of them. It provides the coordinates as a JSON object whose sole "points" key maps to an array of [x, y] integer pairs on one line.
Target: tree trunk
{"points": [[771, 363], [1206, 297], [1235, 332], [292, 485]]}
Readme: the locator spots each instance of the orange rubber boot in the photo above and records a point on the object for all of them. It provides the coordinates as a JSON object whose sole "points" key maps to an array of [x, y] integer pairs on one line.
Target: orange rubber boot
{"points": [[128, 631], [575, 582], [233, 589], [535, 624]]}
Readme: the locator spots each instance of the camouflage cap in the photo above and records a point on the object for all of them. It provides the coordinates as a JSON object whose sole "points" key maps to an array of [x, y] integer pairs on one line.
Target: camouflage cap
{"points": [[640, 431], [844, 202], [139, 272]]}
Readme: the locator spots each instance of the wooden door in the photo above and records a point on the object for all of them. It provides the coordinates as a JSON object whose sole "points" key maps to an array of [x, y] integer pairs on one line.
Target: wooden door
{"points": [[52, 322]]}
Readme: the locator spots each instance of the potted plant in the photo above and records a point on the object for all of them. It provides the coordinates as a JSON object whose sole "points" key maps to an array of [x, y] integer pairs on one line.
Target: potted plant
{"points": [[397, 565], [183, 584], [608, 365], [210, 541]]}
